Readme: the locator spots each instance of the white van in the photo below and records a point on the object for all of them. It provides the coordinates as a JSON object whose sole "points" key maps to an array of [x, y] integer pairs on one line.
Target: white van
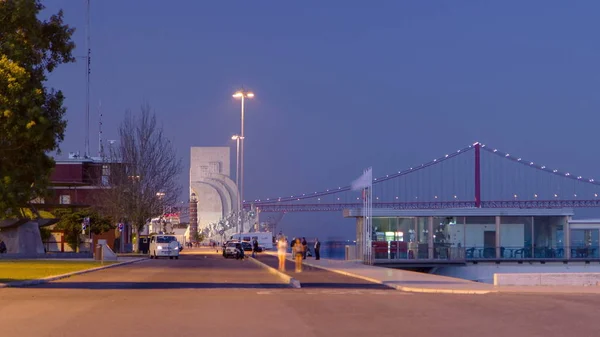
{"points": [[265, 239], [163, 245]]}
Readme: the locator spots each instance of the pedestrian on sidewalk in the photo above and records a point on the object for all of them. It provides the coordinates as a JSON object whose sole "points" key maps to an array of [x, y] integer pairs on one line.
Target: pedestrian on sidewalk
{"points": [[281, 251], [298, 254], [317, 249], [254, 248], [304, 248]]}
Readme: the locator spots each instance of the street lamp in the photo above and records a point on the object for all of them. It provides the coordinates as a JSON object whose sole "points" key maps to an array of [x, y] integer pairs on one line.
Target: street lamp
{"points": [[242, 95], [237, 138]]}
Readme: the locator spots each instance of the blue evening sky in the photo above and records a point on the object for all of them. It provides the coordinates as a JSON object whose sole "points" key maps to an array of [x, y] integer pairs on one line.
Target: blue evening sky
{"points": [[342, 85]]}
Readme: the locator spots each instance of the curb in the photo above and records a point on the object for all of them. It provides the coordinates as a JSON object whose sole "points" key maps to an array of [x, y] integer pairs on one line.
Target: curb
{"points": [[405, 288], [58, 277], [285, 277]]}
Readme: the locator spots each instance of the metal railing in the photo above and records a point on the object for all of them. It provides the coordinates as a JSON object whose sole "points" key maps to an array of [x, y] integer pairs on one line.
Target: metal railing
{"points": [[415, 252], [402, 252]]}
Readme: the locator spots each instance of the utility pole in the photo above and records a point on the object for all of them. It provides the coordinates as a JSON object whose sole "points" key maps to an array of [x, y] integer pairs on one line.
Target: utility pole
{"points": [[87, 87]]}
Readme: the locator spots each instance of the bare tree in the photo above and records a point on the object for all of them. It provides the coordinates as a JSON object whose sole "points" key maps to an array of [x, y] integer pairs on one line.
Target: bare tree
{"points": [[143, 172]]}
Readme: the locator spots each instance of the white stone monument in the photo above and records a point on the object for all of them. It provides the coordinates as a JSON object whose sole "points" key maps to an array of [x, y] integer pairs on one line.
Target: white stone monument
{"points": [[210, 180]]}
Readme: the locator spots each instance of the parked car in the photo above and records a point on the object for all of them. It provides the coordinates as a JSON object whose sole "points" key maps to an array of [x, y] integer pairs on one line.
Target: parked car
{"points": [[230, 249]]}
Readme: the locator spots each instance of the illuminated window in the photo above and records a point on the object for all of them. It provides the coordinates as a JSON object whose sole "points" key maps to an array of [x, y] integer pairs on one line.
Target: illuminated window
{"points": [[65, 199]]}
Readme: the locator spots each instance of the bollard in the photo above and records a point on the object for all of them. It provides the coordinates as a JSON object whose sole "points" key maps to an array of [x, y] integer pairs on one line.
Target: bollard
{"points": [[99, 254]]}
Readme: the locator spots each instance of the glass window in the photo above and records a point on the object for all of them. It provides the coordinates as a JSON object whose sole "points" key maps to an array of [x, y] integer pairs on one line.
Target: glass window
{"points": [[480, 237], [165, 239], [548, 236], [65, 199], [515, 237]]}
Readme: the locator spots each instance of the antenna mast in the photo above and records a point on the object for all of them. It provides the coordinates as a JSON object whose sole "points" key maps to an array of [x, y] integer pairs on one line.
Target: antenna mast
{"points": [[100, 146], [87, 94]]}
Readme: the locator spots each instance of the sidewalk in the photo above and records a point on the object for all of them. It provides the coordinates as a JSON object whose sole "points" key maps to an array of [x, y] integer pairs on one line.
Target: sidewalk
{"points": [[314, 277], [400, 279], [410, 281]]}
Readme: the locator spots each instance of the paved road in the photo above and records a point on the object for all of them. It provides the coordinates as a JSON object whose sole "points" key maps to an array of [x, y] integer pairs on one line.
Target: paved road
{"points": [[210, 296]]}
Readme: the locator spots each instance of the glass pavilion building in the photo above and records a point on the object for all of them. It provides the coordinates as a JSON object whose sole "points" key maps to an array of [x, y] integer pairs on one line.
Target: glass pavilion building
{"points": [[458, 236]]}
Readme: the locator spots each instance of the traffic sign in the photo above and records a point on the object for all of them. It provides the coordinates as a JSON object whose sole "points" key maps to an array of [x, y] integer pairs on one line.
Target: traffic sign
{"points": [[120, 227]]}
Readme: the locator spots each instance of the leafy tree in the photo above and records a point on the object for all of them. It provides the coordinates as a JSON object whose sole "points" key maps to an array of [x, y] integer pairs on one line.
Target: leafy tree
{"points": [[71, 220], [198, 237], [31, 115], [143, 172]]}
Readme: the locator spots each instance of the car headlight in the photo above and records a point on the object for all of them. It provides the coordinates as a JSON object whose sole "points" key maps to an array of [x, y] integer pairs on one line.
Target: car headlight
{"points": [[176, 248], [159, 247]]}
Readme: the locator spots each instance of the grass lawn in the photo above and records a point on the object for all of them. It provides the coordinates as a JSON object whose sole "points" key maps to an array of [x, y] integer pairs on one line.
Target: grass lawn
{"points": [[21, 270]]}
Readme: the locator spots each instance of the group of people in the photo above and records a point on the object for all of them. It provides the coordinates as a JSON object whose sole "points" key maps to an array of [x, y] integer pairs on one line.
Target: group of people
{"points": [[299, 251]]}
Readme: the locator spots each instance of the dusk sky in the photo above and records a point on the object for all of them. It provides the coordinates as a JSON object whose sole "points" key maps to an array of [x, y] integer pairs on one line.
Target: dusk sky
{"points": [[343, 85]]}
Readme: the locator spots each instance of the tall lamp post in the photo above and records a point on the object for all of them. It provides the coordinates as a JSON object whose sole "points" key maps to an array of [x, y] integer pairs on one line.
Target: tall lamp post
{"points": [[242, 95], [237, 138], [161, 220]]}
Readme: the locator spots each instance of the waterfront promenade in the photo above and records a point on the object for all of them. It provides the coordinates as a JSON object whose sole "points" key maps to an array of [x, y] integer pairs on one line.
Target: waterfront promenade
{"points": [[203, 294], [410, 281]]}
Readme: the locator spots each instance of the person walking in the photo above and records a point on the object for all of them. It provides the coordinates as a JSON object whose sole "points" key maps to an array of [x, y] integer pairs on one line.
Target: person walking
{"points": [[281, 251], [254, 248], [317, 249], [304, 248], [298, 254]]}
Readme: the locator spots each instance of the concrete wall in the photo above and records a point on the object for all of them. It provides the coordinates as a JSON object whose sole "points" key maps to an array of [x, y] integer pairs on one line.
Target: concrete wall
{"points": [[210, 207], [23, 239], [208, 160], [547, 279], [484, 272], [209, 157]]}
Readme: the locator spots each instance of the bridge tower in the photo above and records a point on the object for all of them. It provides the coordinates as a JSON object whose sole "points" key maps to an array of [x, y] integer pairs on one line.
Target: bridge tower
{"points": [[477, 175]]}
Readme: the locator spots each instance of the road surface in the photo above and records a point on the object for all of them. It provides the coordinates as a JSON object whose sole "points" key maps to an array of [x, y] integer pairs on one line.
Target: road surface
{"points": [[207, 295]]}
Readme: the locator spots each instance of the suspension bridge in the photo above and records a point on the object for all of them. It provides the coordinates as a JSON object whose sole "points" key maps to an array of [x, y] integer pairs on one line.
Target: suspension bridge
{"points": [[477, 176]]}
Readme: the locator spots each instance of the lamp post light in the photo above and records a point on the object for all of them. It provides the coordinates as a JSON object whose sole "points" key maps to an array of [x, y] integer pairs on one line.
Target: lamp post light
{"points": [[237, 138], [242, 95]]}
